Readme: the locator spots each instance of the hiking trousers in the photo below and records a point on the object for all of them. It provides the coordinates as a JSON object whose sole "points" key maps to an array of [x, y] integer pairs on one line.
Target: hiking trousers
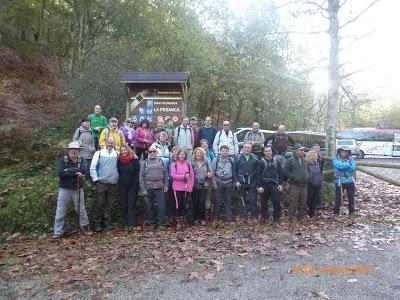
{"points": [[297, 201], [350, 190], [155, 195], [64, 198], [250, 190], [105, 197]]}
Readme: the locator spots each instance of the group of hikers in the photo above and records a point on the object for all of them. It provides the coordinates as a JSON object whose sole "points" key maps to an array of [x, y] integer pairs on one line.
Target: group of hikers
{"points": [[169, 166]]}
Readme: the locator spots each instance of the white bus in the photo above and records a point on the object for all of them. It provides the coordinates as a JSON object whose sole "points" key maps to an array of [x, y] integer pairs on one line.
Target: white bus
{"points": [[372, 141]]}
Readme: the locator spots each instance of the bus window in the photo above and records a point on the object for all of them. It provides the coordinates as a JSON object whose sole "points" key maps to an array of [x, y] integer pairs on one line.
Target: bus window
{"points": [[344, 135], [383, 137]]}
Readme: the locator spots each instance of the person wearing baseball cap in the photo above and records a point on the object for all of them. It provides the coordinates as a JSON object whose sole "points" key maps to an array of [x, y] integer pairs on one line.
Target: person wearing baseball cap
{"points": [[196, 129], [71, 169], [296, 170], [344, 168], [112, 131]]}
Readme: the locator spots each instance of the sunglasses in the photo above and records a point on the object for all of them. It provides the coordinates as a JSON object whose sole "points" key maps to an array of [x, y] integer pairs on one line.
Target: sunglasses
{"points": [[226, 125], [129, 122], [152, 151]]}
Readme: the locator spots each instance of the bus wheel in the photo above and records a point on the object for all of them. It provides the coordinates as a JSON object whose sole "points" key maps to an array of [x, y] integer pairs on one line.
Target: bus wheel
{"points": [[361, 154]]}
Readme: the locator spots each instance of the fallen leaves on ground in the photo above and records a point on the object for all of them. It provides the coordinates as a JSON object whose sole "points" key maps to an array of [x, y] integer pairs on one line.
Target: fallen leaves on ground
{"points": [[69, 265]]}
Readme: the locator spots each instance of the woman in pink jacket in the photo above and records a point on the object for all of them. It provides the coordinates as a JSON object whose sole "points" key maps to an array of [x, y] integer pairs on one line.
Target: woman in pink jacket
{"points": [[144, 139], [182, 183]]}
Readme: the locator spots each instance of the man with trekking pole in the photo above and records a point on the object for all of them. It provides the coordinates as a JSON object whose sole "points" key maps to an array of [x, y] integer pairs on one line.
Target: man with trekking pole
{"points": [[71, 169], [245, 182]]}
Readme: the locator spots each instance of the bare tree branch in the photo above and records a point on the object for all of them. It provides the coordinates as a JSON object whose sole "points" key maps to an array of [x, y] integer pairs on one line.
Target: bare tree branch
{"points": [[352, 73], [355, 39], [359, 15]]}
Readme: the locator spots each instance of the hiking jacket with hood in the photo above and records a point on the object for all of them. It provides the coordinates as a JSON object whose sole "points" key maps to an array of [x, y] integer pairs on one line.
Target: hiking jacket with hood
{"points": [[85, 138], [178, 171]]}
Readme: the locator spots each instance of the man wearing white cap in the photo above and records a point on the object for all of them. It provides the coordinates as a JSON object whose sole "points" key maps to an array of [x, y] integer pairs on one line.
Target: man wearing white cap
{"points": [[71, 168]]}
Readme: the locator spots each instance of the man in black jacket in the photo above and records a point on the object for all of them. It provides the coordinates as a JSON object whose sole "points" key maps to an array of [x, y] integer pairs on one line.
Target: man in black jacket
{"points": [[71, 168], [245, 181], [269, 183]]}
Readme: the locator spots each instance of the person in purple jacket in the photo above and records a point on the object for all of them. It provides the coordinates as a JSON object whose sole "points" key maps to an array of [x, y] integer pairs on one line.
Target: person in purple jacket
{"points": [[129, 133], [315, 181]]}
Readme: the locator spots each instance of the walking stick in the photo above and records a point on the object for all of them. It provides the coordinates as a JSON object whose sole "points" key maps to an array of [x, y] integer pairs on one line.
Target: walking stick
{"points": [[78, 206]]}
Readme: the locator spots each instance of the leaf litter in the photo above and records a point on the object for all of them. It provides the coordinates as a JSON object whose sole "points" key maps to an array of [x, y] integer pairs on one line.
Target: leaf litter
{"points": [[68, 265]]}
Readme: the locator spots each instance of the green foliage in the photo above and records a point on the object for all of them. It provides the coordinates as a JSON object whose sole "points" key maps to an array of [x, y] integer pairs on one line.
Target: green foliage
{"points": [[238, 66]]}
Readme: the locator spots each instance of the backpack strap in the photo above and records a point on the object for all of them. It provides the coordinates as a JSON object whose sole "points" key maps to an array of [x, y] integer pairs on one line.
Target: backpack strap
{"points": [[79, 161], [65, 161]]}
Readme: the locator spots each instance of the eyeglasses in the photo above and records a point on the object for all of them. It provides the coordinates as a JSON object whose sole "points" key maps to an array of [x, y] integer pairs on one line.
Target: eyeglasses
{"points": [[152, 151], [129, 122], [226, 125]]}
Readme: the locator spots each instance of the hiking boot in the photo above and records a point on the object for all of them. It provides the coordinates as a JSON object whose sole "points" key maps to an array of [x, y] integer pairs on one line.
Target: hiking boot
{"points": [[98, 228], [86, 231], [57, 236], [278, 222]]}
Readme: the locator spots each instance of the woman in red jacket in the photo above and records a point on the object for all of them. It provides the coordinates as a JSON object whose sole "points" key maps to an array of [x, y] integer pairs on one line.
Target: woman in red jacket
{"points": [[182, 183], [144, 139]]}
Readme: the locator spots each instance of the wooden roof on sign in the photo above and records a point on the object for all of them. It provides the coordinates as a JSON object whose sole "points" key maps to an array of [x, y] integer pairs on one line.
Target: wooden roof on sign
{"points": [[155, 77]]}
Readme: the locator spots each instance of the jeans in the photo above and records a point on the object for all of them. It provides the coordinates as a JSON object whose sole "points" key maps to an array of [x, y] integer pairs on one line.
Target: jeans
{"points": [[350, 189], [252, 197], [297, 201], [170, 201], [271, 192], [223, 195], [127, 201], [199, 197], [105, 196], [155, 195], [64, 198], [314, 192]]}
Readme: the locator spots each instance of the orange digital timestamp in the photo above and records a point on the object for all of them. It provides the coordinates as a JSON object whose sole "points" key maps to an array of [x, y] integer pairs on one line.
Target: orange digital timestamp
{"points": [[333, 270]]}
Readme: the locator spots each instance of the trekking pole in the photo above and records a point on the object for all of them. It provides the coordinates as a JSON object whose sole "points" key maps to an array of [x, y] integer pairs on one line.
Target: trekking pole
{"points": [[341, 192], [78, 206], [241, 197]]}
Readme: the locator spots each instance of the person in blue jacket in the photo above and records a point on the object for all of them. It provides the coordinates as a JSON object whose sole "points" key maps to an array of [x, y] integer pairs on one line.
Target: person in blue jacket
{"points": [[344, 168]]}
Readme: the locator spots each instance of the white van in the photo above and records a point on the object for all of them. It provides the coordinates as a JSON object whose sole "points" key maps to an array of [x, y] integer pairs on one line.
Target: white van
{"points": [[351, 144]]}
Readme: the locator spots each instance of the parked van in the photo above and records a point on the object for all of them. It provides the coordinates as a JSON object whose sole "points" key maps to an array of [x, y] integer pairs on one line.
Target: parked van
{"points": [[351, 144]]}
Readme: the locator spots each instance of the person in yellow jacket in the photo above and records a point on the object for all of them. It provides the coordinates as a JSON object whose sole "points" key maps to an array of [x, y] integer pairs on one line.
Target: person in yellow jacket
{"points": [[112, 131]]}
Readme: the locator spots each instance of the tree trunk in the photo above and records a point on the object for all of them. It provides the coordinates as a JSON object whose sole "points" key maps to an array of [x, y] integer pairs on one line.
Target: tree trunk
{"points": [[334, 76]]}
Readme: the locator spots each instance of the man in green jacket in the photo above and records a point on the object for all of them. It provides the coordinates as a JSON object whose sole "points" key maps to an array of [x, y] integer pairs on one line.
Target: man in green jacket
{"points": [[97, 123], [296, 170]]}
